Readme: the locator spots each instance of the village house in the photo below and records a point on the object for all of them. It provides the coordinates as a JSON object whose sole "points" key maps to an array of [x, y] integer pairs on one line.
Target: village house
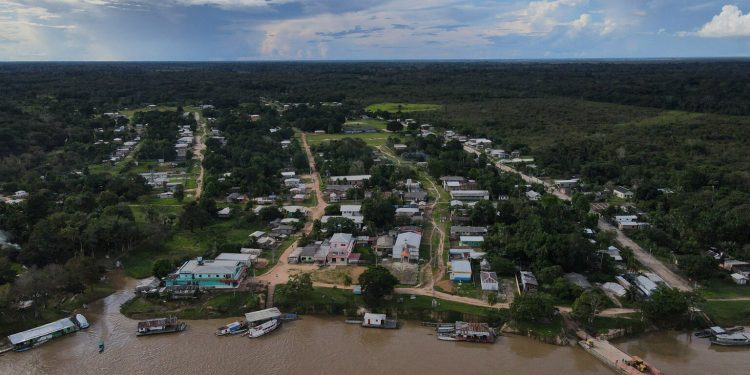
{"points": [[470, 195], [220, 274], [406, 246], [489, 281], [224, 213], [353, 180], [460, 270], [283, 230], [412, 213], [340, 247], [464, 253], [181, 149], [20, 194], [460, 230], [479, 143], [471, 241], [291, 182], [288, 174], [246, 259], [526, 282], [351, 210], [739, 279], [533, 195], [623, 193], [737, 266], [295, 210], [384, 244], [613, 253], [498, 153], [357, 220], [399, 147], [451, 183]]}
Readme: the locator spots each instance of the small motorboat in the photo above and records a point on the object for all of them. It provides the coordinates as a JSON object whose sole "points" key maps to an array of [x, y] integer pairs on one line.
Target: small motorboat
{"points": [[101, 346], [732, 339], [289, 317], [232, 328], [264, 329]]}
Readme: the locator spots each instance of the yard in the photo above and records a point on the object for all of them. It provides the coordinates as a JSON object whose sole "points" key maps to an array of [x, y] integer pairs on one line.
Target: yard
{"points": [[372, 139], [402, 107], [371, 122]]}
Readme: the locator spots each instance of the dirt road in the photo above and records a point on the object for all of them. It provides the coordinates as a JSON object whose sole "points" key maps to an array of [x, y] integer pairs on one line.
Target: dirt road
{"points": [[199, 150], [647, 260], [280, 272]]}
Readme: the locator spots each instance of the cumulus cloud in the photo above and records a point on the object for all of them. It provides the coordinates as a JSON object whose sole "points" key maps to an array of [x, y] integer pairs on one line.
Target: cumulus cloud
{"points": [[729, 23]]}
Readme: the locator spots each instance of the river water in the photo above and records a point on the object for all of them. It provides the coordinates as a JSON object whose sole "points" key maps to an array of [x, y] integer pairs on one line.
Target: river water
{"points": [[317, 345]]}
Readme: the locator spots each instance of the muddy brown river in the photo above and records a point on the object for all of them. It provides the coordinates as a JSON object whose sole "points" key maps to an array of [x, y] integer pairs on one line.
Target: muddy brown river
{"points": [[317, 345]]}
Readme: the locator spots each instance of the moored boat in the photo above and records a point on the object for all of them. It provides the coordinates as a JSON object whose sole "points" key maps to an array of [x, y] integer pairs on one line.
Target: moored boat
{"points": [[468, 332], [34, 337], [160, 325], [379, 321], [264, 329], [732, 339], [232, 328], [716, 330], [286, 317]]}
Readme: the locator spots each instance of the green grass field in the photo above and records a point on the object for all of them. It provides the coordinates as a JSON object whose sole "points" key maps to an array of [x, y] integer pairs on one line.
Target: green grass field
{"points": [[372, 139], [402, 107], [728, 312], [186, 244], [717, 289], [374, 123]]}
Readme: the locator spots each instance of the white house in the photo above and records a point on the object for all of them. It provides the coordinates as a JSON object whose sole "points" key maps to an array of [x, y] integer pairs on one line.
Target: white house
{"points": [[533, 196], [622, 192], [489, 281], [406, 246], [739, 279], [351, 210]]}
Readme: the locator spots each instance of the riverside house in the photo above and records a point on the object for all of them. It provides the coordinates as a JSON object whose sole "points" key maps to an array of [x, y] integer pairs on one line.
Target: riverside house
{"points": [[222, 274]]}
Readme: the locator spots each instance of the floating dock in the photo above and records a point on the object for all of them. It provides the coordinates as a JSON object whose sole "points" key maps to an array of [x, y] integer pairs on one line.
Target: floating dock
{"points": [[615, 358]]}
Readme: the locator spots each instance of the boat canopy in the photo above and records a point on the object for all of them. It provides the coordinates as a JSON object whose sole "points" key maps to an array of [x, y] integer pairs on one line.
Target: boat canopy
{"points": [[260, 315], [47, 329]]}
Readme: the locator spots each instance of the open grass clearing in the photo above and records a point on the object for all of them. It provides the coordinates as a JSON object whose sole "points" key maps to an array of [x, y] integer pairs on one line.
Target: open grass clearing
{"points": [[372, 139], [402, 107], [727, 313]]}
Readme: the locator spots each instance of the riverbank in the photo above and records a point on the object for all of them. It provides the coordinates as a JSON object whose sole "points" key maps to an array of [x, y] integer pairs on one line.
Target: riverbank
{"points": [[206, 306], [61, 306]]}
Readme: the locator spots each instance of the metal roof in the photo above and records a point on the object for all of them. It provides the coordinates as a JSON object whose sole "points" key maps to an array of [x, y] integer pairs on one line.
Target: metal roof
{"points": [[40, 331], [266, 314], [461, 266]]}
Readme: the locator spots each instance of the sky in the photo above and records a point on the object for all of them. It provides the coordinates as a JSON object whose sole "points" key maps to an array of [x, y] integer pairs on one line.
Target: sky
{"points": [[251, 30]]}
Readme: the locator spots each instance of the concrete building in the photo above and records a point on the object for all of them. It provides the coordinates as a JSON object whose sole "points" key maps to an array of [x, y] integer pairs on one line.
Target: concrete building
{"points": [[406, 247], [220, 274]]}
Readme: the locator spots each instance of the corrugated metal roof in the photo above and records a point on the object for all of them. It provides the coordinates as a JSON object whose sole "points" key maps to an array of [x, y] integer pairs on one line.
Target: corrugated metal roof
{"points": [[266, 314], [40, 331]]}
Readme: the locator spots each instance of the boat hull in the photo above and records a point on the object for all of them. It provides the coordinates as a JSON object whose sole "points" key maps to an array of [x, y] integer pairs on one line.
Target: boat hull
{"points": [[178, 328]]}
